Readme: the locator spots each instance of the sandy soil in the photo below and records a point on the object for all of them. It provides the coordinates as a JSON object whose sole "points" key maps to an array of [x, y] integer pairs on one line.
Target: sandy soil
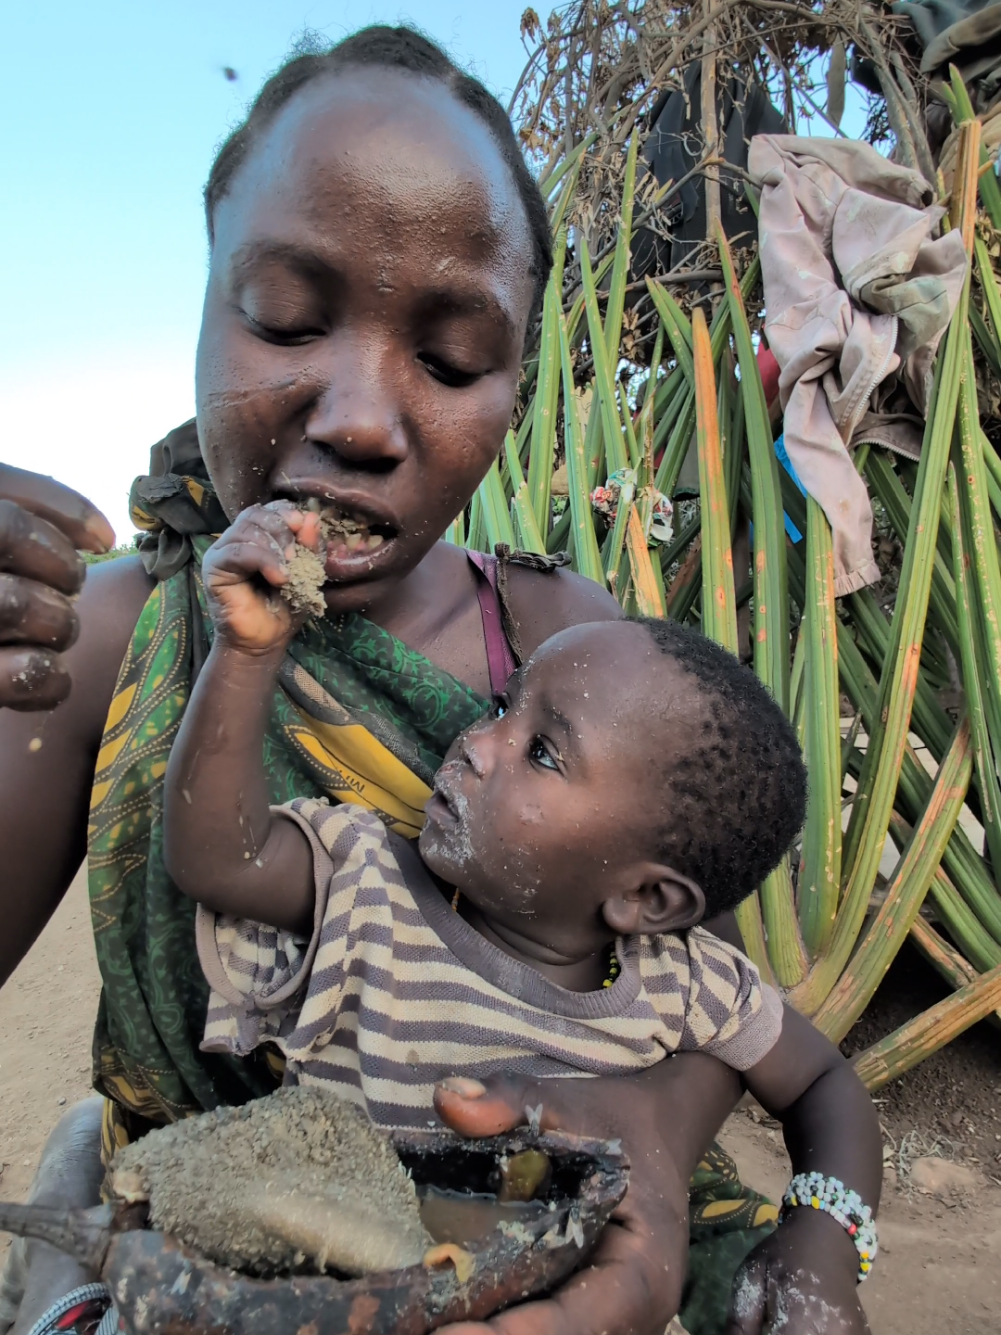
{"points": [[938, 1273]]}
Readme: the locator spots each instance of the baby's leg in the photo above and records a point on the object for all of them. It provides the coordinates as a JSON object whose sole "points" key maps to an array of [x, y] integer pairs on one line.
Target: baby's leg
{"points": [[69, 1174]]}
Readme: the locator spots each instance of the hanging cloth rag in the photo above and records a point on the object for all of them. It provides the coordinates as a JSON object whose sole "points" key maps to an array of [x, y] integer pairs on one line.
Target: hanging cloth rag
{"points": [[858, 292]]}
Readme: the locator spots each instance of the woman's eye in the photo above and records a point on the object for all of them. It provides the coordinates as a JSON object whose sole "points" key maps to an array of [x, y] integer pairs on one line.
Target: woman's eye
{"points": [[540, 754], [445, 373], [285, 336], [501, 705]]}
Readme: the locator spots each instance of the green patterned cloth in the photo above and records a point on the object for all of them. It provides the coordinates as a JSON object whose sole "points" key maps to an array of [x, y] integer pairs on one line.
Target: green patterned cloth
{"points": [[345, 679]]}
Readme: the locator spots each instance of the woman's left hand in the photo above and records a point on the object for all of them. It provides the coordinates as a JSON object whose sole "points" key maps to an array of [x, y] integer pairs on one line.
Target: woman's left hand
{"points": [[801, 1279], [632, 1284]]}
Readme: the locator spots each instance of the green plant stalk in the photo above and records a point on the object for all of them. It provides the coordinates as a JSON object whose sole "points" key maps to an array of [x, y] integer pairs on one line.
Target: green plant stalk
{"points": [[530, 537], [948, 962], [617, 536], [820, 872], [929, 718], [887, 485], [456, 531], [981, 547], [963, 925], [959, 103], [905, 894], [645, 431], [938, 1025], [771, 592], [604, 380], [985, 340], [797, 694], [476, 537], [620, 265], [679, 331], [677, 447], [560, 537], [587, 558], [674, 550], [888, 737], [960, 859], [547, 389], [628, 426], [990, 790], [719, 609], [668, 409], [568, 163], [496, 515], [993, 473], [680, 436], [647, 593]]}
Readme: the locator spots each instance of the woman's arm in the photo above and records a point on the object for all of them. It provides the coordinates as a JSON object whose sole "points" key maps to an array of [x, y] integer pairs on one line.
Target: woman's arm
{"points": [[47, 759], [222, 847]]}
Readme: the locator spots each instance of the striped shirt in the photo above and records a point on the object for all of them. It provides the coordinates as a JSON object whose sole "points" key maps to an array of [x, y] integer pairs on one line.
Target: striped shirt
{"points": [[394, 991]]}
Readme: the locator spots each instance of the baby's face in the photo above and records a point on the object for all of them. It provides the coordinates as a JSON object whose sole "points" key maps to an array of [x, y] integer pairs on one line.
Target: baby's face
{"points": [[542, 808]]}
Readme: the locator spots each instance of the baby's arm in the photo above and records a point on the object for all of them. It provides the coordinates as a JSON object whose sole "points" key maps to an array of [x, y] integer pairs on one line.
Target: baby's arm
{"points": [[222, 847], [828, 1118], [830, 1127]]}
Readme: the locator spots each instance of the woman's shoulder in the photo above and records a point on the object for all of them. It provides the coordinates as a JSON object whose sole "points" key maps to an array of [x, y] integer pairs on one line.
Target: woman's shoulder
{"points": [[544, 602]]}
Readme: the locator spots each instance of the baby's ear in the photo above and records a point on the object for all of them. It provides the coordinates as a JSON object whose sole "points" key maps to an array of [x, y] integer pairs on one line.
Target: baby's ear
{"points": [[664, 901]]}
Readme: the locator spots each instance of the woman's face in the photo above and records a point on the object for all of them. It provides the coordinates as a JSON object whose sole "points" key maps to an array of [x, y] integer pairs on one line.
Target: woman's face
{"points": [[367, 301]]}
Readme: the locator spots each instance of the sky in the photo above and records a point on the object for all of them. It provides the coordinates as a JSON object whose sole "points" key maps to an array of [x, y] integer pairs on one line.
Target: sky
{"points": [[111, 115]]}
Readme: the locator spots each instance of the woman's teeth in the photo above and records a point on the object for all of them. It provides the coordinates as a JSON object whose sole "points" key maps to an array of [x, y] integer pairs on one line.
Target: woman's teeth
{"points": [[352, 543], [345, 534]]}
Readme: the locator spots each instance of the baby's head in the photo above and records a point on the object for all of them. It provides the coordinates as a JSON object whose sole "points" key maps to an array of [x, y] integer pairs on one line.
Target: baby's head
{"points": [[635, 779]]}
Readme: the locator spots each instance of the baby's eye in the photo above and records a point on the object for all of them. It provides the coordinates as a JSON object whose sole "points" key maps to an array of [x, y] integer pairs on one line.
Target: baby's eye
{"points": [[540, 753], [500, 706]]}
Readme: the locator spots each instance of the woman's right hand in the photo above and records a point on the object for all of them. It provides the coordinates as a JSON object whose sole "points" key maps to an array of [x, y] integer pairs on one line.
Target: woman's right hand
{"points": [[43, 525], [245, 569]]}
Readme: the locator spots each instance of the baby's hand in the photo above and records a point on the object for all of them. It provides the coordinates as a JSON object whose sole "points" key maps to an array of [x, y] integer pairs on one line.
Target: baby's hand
{"points": [[800, 1280], [244, 571]]}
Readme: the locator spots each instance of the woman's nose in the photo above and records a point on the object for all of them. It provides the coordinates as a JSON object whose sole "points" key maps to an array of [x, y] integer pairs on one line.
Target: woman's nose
{"points": [[356, 414]]}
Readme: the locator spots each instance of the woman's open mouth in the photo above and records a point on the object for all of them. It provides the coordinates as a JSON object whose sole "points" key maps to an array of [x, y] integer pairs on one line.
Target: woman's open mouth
{"points": [[355, 542]]}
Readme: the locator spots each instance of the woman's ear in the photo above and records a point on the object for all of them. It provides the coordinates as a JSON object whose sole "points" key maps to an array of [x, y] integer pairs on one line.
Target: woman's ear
{"points": [[664, 901]]}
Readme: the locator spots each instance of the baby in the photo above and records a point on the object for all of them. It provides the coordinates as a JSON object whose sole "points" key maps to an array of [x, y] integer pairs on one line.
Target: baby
{"points": [[634, 780]]}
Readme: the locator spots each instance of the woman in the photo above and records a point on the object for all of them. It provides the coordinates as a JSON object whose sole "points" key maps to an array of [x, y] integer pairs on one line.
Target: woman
{"points": [[378, 248]]}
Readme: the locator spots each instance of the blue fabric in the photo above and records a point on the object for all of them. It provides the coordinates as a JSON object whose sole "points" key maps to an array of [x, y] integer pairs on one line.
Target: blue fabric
{"points": [[783, 458]]}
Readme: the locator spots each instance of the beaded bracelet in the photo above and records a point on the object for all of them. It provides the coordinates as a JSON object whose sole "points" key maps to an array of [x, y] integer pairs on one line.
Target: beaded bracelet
{"points": [[832, 1196]]}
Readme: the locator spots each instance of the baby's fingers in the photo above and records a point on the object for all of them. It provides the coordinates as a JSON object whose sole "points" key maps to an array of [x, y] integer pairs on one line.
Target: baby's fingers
{"points": [[304, 525], [240, 559]]}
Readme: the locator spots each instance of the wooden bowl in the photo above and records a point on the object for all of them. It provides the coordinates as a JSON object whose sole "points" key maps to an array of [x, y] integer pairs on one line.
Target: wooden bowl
{"points": [[162, 1287]]}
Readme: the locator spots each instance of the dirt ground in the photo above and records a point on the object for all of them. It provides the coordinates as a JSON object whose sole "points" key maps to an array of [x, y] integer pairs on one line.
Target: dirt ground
{"points": [[938, 1273]]}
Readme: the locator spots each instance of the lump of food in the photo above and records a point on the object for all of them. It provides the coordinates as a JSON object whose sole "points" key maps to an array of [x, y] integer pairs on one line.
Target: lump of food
{"points": [[300, 1179], [343, 535]]}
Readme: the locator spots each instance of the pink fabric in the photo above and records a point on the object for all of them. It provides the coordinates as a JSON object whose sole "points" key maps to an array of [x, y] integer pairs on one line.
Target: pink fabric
{"points": [[856, 288], [500, 659]]}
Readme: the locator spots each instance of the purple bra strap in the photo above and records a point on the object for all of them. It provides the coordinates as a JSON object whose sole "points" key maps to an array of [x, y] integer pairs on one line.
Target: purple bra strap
{"points": [[500, 659]]}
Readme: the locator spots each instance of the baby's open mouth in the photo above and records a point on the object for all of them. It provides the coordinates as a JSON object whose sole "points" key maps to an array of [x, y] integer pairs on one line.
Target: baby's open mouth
{"points": [[347, 532]]}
